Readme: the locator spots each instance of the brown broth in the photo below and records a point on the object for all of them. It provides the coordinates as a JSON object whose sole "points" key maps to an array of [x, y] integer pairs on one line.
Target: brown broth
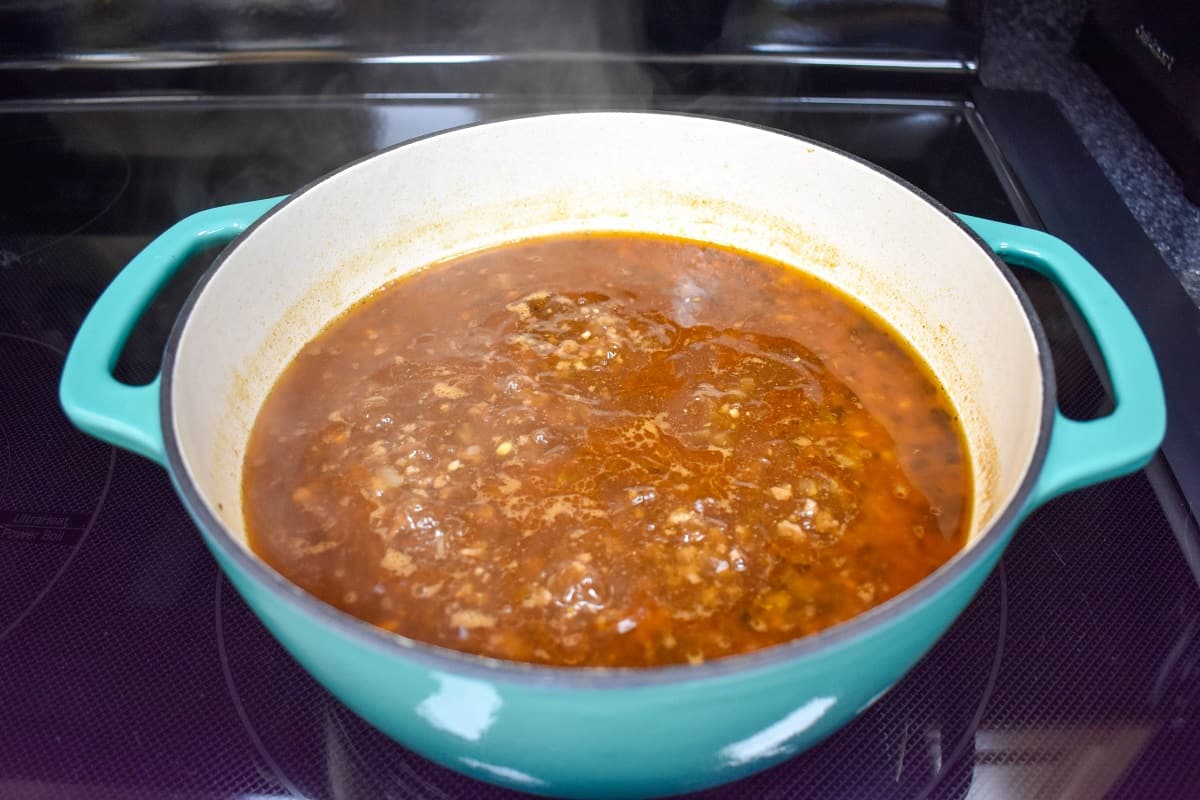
{"points": [[606, 450]]}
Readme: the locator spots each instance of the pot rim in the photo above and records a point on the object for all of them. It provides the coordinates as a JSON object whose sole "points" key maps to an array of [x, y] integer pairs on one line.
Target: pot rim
{"points": [[469, 665]]}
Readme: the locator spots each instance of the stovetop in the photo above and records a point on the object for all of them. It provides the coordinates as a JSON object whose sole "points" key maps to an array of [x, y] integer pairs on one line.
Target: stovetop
{"points": [[130, 668]]}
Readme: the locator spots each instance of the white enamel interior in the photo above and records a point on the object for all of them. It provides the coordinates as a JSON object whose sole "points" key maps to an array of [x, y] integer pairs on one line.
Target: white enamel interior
{"points": [[702, 179]]}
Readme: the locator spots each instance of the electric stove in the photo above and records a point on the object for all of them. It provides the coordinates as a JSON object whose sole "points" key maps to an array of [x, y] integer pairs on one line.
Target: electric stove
{"points": [[130, 668]]}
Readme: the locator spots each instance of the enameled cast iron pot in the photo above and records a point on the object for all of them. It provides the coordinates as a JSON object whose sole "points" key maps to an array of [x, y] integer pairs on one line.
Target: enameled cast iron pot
{"points": [[294, 263]]}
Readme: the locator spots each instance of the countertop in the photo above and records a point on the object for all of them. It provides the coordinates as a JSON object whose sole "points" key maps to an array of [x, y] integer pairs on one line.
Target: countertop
{"points": [[1028, 45]]}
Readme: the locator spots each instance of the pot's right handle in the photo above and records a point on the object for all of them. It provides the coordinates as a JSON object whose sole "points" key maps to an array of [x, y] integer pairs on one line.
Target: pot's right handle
{"points": [[92, 398], [1083, 453]]}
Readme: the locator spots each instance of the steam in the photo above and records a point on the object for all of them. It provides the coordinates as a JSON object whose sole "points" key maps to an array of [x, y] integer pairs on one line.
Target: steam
{"points": [[289, 91]]}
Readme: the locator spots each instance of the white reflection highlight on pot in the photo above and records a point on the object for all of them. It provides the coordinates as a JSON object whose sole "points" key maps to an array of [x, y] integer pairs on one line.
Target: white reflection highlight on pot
{"points": [[773, 740], [460, 706], [512, 776]]}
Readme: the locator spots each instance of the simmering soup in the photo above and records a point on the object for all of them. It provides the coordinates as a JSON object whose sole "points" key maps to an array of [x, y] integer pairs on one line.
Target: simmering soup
{"points": [[606, 450]]}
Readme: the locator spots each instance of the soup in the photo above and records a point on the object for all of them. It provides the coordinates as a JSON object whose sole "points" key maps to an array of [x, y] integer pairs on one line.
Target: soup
{"points": [[606, 450]]}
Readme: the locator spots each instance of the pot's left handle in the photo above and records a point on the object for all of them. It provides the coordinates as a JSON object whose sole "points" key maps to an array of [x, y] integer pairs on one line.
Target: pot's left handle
{"points": [[92, 398]]}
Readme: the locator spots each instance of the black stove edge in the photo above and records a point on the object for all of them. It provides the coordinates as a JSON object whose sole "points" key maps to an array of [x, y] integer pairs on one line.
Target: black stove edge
{"points": [[323, 73], [1057, 174]]}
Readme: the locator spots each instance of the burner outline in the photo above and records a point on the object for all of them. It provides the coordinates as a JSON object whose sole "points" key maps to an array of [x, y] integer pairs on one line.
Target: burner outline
{"points": [[112, 460]]}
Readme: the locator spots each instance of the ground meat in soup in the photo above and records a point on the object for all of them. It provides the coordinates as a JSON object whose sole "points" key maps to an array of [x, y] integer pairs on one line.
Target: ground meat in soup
{"points": [[606, 450]]}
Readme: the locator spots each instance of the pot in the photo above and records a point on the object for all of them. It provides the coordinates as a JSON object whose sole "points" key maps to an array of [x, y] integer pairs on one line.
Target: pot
{"points": [[292, 264]]}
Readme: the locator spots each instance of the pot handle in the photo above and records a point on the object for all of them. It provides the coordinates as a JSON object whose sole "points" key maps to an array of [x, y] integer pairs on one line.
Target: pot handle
{"points": [[95, 401], [1082, 453]]}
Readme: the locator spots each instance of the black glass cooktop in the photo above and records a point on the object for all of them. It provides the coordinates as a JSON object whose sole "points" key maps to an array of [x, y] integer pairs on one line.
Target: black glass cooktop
{"points": [[130, 668]]}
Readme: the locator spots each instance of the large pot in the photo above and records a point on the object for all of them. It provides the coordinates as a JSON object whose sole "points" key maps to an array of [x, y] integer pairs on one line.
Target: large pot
{"points": [[295, 263]]}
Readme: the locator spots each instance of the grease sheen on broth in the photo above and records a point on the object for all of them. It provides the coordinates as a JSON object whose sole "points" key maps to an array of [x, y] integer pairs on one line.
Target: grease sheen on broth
{"points": [[606, 450]]}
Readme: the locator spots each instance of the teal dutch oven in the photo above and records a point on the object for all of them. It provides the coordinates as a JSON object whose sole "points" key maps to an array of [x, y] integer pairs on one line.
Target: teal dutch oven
{"points": [[292, 264]]}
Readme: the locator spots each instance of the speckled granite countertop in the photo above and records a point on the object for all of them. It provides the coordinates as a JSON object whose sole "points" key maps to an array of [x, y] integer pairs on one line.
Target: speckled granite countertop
{"points": [[1027, 45]]}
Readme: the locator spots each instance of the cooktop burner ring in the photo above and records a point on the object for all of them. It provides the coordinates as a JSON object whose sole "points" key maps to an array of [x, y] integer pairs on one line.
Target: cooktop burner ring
{"points": [[9, 256], [44, 540]]}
